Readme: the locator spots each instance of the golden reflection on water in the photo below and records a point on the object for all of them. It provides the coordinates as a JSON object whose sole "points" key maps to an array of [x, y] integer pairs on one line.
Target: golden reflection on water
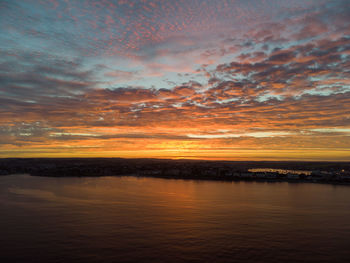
{"points": [[130, 218]]}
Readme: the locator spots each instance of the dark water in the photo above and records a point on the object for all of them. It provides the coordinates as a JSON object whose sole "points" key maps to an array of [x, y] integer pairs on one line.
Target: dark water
{"points": [[128, 219]]}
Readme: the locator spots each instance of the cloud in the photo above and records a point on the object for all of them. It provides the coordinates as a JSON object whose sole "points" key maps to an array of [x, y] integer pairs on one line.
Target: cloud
{"points": [[169, 77], [121, 75]]}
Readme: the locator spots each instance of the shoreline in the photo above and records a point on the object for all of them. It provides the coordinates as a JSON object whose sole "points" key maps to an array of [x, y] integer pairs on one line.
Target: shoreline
{"points": [[292, 172], [196, 178]]}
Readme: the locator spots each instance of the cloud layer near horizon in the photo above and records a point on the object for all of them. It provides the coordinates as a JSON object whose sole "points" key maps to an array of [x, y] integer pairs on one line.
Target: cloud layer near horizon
{"points": [[193, 79]]}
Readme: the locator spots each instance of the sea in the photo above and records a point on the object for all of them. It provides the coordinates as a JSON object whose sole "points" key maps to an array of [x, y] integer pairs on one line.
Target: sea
{"points": [[142, 219]]}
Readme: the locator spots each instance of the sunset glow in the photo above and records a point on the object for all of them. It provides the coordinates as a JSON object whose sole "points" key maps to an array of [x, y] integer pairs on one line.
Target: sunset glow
{"points": [[193, 79]]}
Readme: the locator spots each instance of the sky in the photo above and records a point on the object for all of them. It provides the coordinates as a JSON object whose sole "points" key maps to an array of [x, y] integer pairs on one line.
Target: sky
{"points": [[194, 79]]}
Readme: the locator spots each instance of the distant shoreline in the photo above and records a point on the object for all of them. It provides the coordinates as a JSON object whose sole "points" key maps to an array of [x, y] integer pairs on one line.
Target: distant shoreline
{"points": [[212, 179], [292, 172]]}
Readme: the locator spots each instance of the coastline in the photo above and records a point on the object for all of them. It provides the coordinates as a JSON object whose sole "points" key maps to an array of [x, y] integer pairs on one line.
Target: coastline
{"points": [[197, 178], [248, 171]]}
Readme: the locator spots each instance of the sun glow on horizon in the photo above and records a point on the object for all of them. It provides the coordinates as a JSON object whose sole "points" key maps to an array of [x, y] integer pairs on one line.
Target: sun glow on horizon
{"points": [[193, 79]]}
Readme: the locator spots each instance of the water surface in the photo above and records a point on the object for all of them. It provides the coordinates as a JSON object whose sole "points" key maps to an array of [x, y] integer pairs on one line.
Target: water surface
{"points": [[130, 219]]}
